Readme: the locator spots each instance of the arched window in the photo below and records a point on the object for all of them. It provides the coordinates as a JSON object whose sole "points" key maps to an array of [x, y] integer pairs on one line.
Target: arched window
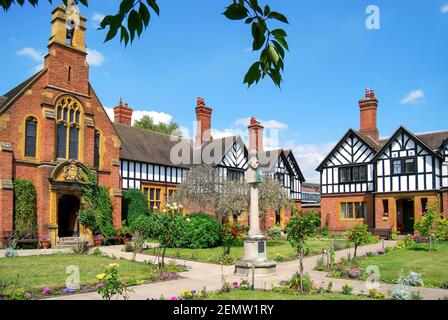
{"points": [[31, 137], [96, 149], [68, 113]]}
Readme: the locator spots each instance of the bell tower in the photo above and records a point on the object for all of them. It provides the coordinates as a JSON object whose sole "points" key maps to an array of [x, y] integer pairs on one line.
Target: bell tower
{"points": [[68, 26], [66, 61]]}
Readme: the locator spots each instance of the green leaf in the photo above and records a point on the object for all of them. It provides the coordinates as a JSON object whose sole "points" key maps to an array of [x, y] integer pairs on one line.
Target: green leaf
{"points": [[279, 48], [267, 10], [273, 54], [253, 75], [283, 42], [124, 35], [126, 5], [258, 34], [279, 33], [236, 12], [278, 16], [154, 6], [111, 34], [144, 14]]}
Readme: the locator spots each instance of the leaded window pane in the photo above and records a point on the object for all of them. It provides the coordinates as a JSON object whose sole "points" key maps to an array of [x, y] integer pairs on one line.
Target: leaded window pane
{"points": [[72, 116], [96, 155], [77, 117], [31, 138], [65, 114], [74, 143], [61, 148]]}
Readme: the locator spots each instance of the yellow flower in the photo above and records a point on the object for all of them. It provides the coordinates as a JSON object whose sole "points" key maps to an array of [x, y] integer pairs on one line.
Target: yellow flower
{"points": [[108, 277], [101, 276], [113, 266]]}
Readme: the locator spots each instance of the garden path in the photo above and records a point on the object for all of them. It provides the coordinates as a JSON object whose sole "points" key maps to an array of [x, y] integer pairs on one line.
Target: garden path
{"points": [[200, 275]]}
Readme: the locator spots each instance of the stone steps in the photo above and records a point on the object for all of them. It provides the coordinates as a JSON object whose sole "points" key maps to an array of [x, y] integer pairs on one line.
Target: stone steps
{"points": [[69, 243]]}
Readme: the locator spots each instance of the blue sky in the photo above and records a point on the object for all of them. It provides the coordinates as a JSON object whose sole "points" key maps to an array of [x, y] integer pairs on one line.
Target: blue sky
{"points": [[192, 50]]}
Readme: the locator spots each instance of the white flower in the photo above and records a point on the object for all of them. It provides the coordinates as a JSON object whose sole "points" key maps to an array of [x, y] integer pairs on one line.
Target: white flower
{"points": [[181, 206], [175, 204]]}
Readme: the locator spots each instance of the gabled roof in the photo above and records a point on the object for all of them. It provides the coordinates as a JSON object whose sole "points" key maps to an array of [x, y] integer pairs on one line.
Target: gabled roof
{"points": [[420, 139], [147, 146], [218, 149], [268, 159], [367, 140], [16, 92], [291, 154]]}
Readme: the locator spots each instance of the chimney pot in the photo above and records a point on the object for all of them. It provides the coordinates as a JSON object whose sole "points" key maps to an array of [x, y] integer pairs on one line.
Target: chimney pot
{"points": [[255, 135], [368, 115], [123, 114], [204, 122]]}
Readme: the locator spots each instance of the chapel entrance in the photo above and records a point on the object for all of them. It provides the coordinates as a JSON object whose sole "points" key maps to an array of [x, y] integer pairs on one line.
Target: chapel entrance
{"points": [[405, 216], [68, 207]]}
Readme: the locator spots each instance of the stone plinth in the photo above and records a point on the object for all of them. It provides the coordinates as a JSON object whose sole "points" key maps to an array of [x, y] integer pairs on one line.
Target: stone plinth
{"points": [[255, 253]]}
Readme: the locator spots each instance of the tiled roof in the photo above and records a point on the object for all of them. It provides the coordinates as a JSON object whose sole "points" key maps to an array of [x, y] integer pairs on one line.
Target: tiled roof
{"points": [[148, 146], [12, 94]]}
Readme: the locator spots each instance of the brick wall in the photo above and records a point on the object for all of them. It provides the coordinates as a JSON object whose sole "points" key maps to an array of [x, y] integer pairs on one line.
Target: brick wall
{"points": [[330, 212]]}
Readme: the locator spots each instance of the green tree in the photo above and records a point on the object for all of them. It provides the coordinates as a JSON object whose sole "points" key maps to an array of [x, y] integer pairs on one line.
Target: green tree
{"points": [[148, 123], [359, 235], [25, 224], [133, 16], [428, 226], [299, 228]]}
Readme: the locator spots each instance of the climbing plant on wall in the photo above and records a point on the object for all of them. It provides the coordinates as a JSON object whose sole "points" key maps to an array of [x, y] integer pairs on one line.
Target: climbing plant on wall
{"points": [[96, 208], [25, 222]]}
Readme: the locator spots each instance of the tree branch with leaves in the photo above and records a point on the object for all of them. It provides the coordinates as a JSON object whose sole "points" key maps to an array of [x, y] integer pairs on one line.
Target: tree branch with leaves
{"points": [[133, 17]]}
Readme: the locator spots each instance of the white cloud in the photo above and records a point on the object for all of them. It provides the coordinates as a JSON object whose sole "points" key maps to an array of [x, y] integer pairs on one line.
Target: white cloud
{"points": [[157, 117], [444, 8], [98, 17], [268, 124], [32, 53], [309, 156], [35, 55], [94, 58], [413, 97]]}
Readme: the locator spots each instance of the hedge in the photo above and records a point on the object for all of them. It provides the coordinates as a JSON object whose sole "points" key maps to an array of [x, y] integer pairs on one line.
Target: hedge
{"points": [[25, 222], [134, 205]]}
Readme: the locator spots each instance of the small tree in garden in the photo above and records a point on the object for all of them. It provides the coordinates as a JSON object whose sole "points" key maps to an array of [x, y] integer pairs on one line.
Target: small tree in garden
{"points": [[229, 234], [111, 285], [167, 226], [428, 226], [299, 228], [207, 190], [359, 235], [25, 224]]}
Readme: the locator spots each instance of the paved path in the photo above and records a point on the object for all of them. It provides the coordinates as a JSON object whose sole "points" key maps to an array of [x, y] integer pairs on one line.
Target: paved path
{"points": [[36, 252], [200, 275]]}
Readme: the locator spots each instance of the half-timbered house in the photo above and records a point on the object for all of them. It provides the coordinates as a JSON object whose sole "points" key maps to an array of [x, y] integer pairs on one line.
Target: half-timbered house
{"points": [[383, 183]]}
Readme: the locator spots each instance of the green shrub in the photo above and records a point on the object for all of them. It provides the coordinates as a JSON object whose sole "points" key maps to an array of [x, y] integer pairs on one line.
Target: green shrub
{"points": [[134, 205], [146, 225], [198, 231], [275, 233], [25, 222], [347, 289]]}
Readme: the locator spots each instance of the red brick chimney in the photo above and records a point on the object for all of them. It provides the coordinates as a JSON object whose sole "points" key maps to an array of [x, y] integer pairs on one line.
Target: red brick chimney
{"points": [[255, 135], [204, 123], [123, 114], [368, 107]]}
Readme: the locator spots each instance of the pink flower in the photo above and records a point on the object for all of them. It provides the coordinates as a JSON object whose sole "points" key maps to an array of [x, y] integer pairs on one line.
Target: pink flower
{"points": [[235, 284], [46, 291], [174, 298], [100, 285]]}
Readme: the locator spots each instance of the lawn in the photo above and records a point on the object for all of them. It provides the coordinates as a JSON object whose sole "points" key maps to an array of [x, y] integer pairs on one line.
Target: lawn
{"points": [[278, 250], [271, 295], [432, 265], [37, 272]]}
